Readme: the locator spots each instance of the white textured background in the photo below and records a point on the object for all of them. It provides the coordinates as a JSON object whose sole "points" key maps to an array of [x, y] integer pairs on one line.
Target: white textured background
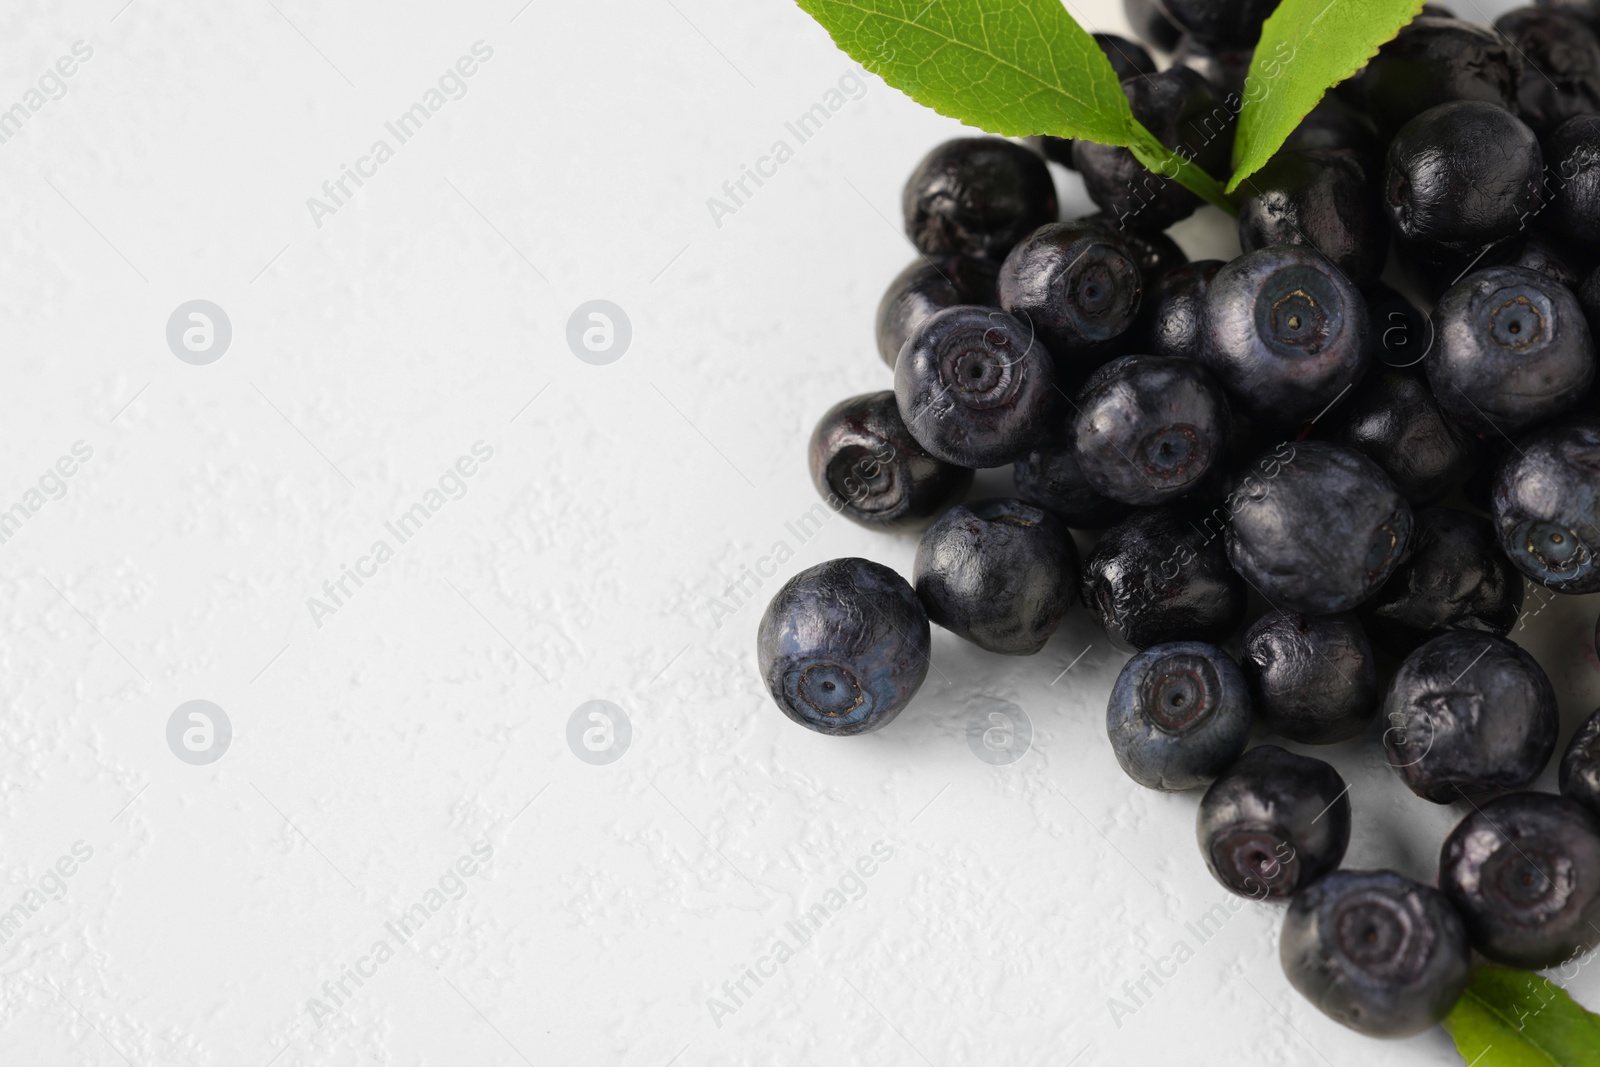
{"points": [[429, 712]]}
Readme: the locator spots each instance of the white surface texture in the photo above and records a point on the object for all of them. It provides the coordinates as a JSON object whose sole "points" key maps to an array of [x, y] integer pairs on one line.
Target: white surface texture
{"points": [[422, 720]]}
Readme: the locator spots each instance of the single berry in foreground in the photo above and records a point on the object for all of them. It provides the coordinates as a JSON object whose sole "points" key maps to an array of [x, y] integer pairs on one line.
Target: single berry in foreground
{"points": [[1000, 573], [1286, 332], [1274, 823], [1077, 286], [1161, 574], [1373, 950], [1394, 420], [869, 468], [975, 387], [1179, 715], [1524, 871], [1149, 429], [1468, 713], [1318, 532], [1313, 677], [843, 646], [977, 196], [1546, 505]]}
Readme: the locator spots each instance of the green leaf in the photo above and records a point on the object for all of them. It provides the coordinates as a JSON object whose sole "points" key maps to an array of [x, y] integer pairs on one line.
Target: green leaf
{"points": [[1511, 1018], [1307, 47], [1011, 67]]}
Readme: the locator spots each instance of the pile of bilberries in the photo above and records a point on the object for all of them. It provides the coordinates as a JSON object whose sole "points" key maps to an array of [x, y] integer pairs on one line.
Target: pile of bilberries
{"points": [[1285, 424]]}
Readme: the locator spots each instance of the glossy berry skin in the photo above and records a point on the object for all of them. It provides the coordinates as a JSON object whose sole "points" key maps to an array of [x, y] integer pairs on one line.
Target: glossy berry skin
{"points": [[1151, 24], [1524, 872], [999, 573], [1077, 286], [928, 286], [1402, 336], [977, 196], [1051, 477], [1173, 319], [869, 468], [1129, 60], [1580, 766], [1179, 715], [1155, 253], [1394, 420], [1313, 677], [1148, 429], [1461, 178], [1436, 61], [1513, 348], [1334, 125], [1375, 951], [1228, 23], [843, 646], [1455, 578], [1575, 183], [1181, 108], [975, 387], [1468, 712], [1273, 823], [1285, 332], [1560, 69], [1161, 575], [1320, 533], [1321, 199], [1541, 254], [1546, 505]]}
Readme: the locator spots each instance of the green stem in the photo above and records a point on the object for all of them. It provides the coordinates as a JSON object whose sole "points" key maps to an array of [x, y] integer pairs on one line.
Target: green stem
{"points": [[1160, 159]]}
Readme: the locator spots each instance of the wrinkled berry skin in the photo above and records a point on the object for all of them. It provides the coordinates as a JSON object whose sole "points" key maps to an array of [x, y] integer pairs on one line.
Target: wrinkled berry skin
{"points": [[869, 468], [1173, 319], [1512, 348], [1436, 61], [1402, 336], [1274, 823], [1321, 199], [1375, 951], [1561, 66], [1129, 60], [975, 387], [999, 573], [1181, 108], [1150, 428], [1468, 712], [1394, 420], [1077, 286], [1541, 254], [1320, 535], [1179, 715], [1580, 766], [843, 646], [1151, 24], [1524, 872], [1331, 125], [1546, 505], [1051, 477], [1461, 178], [977, 196], [1313, 677], [1226, 23], [1456, 578], [1575, 182], [928, 286], [1161, 575], [1285, 332]]}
